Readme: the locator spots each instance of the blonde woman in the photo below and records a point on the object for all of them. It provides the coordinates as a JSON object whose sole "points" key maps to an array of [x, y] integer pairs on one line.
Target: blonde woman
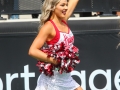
{"points": [[54, 29]]}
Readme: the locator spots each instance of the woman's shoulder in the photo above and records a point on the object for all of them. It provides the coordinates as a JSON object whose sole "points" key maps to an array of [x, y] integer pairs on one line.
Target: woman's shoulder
{"points": [[47, 27], [65, 20]]}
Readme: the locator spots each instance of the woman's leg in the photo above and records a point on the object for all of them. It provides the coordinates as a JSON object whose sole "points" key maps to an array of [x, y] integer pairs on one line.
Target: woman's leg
{"points": [[79, 88]]}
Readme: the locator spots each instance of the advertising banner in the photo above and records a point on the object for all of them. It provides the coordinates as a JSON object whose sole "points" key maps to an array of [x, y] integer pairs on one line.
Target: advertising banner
{"points": [[99, 68]]}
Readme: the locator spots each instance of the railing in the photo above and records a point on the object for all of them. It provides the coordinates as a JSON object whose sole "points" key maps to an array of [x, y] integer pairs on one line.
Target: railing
{"points": [[107, 7]]}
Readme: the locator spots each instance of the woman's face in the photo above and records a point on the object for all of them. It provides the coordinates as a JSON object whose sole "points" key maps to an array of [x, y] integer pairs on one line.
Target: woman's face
{"points": [[61, 9]]}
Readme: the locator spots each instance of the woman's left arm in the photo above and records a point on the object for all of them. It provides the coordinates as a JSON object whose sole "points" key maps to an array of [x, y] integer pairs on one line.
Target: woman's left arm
{"points": [[71, 6]]}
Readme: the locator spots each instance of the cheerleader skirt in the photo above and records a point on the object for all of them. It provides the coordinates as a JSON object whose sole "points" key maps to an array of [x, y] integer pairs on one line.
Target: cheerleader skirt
{"points": [[59, 81]]}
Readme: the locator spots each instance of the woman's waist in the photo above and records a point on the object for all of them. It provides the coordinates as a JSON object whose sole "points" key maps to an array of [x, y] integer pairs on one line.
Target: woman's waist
{"points": [[58, 75], [63, 75]]}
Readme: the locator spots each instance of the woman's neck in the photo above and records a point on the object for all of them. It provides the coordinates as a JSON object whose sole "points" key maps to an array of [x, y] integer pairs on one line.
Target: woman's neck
{"points": [[56, 19]]}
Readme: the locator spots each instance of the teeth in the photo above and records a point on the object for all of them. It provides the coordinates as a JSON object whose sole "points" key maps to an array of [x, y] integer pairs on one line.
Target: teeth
{"points": [[64, 12]]}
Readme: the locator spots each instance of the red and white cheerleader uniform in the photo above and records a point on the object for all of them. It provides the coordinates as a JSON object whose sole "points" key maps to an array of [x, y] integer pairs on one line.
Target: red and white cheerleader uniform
{"points": [[58, 81]]}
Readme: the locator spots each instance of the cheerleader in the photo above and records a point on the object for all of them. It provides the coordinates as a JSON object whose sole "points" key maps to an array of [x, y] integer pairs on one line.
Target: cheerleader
{"points": [[53, 31]]}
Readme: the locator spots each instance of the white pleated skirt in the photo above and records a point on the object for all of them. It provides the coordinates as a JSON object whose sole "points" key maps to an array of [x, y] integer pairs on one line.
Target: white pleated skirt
{"points": [[57, 82]]}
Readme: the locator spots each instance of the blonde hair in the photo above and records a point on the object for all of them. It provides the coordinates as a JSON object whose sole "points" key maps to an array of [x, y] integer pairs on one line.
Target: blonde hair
{"points": [[46, 11]]}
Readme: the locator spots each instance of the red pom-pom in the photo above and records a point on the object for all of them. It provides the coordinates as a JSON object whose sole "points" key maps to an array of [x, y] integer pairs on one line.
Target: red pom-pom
{"points": [[66, 56]]}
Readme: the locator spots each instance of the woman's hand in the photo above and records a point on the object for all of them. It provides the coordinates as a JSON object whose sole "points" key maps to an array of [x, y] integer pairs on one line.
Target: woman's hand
{"points": [[53, 61]]}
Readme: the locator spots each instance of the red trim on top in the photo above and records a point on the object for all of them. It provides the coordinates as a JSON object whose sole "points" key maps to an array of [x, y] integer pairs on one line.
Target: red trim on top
{"points": [[57, 36], [67, 26]]}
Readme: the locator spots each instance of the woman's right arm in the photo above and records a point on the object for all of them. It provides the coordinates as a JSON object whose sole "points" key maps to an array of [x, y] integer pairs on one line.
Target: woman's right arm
{"points": [[38, 42], [71, 6]]}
